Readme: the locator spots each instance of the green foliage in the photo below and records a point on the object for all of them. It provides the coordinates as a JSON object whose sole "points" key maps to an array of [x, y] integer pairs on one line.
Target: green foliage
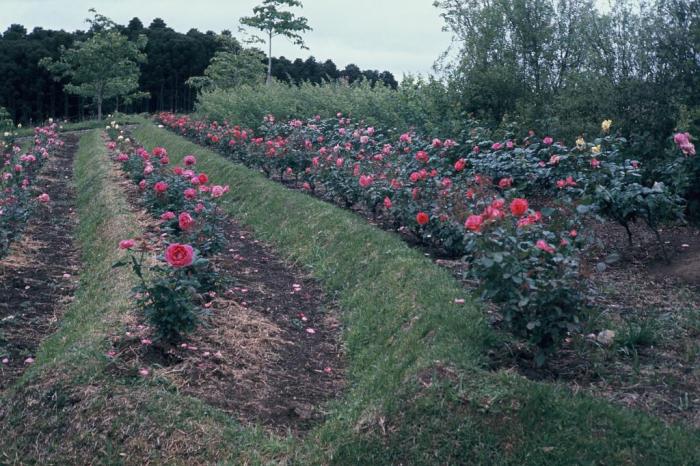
{"points": [[230, 67], [167, 297], [558, 66], [104, 66], [417, 103]]}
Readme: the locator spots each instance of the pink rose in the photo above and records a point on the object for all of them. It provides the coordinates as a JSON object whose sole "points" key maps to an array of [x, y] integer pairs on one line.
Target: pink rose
{"points": [[185, 221], [474, 223], [218, 191], [365, 180], [543, 245], [179, 255], [160, 187], [126, 244]]}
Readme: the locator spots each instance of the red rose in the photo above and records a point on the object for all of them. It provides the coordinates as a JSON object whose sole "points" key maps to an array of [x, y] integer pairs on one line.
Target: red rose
{"points": [[387, 203], [179, 255], [460, 164], [203, 178], [518, 206], [422, 218], [190, 193]]}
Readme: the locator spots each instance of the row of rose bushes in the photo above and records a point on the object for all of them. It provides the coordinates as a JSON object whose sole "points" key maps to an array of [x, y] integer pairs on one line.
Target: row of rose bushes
{"points": [[176, 277], [513, 208], [18, 173]]}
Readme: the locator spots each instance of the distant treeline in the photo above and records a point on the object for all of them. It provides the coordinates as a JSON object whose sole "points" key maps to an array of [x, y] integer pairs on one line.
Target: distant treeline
{"points": [[30, 93]]}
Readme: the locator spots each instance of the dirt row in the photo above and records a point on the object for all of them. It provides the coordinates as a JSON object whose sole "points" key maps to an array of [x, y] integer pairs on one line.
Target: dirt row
{"points": [[270, 349], [40, 273]]}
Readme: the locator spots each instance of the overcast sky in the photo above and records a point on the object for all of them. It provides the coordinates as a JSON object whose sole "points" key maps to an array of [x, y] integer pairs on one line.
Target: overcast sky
{"points": [[402, 36]]}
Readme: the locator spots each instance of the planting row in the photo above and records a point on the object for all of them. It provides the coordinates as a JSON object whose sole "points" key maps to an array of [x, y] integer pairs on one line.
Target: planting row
{"points": [[513, 208], [175, 278], [18, 174]]}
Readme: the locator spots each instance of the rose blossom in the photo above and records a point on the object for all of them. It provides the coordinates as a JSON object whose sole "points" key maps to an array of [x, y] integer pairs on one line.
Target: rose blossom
{"points": [[543, 245], [218, 191], [189, 160], [126, 244], [474, 223], [518, 206], [179, 255], [185, 221], [422, 218], [365, 180], [160, 187]]}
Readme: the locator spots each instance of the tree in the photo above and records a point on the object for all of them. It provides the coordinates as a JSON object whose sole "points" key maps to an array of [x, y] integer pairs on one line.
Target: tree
{"points": [[231, 66], [273, 21], [104, 66]]}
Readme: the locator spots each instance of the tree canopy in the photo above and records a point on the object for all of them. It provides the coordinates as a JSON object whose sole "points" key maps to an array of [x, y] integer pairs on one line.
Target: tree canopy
{"points": [[273, 21]]}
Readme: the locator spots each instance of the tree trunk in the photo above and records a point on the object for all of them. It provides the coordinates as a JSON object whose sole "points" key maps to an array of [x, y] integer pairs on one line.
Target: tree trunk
{"points": [[269, 60], [99, 107]]}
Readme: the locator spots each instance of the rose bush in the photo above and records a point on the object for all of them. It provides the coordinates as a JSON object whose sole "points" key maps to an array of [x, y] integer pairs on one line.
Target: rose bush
{"points": [[167, 294], [171, 292], [18, 172]]}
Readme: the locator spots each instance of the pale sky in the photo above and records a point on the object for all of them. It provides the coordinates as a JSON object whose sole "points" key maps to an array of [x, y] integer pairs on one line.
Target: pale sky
{"points": [[402, 36]]}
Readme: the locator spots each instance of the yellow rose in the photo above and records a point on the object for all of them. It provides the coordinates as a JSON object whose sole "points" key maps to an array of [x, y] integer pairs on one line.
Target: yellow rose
{"points": [[596, 149], [606, 125], [580, 144]]}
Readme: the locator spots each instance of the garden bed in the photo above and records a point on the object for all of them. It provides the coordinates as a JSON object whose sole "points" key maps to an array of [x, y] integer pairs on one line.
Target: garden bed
{"points": [[268, 351], [38, 276], [417, 393]]}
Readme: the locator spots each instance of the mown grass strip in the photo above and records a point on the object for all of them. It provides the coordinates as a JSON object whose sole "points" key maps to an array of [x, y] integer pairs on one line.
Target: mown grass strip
{"points": [[404, 405]]}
